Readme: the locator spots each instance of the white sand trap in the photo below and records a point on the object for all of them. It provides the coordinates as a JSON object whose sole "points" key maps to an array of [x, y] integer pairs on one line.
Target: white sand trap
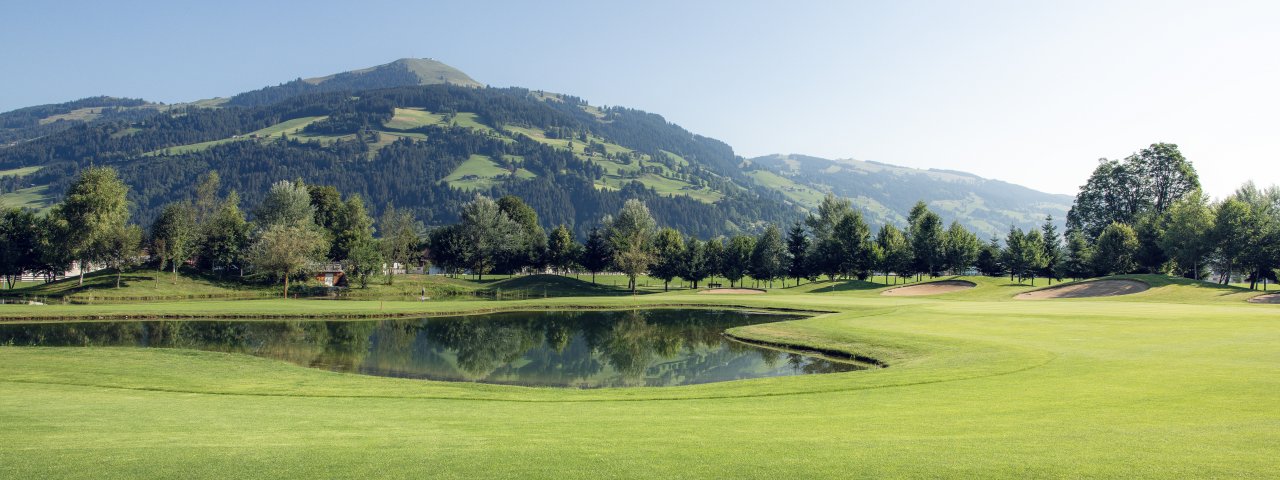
{"points": [[1266, 298], [731, 291], [1096, 288], [931, 288]]}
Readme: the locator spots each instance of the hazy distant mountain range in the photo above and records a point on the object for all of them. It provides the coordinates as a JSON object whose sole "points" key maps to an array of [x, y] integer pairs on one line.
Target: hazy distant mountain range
{"points": [[422, 135], [886, 192]]}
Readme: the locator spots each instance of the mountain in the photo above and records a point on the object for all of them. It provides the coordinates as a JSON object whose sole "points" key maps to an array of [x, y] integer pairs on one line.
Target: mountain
{"points": [[425, 148], [886, 192], [423, 136], [400, 73], [34, 122]]}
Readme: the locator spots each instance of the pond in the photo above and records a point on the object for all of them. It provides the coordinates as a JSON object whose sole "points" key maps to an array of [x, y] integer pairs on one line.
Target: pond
{"points": [[580, 349]]}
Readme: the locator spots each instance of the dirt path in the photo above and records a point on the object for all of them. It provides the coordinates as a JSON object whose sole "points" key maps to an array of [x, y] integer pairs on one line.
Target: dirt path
{"points": [[1097, 288], [931, 288]]}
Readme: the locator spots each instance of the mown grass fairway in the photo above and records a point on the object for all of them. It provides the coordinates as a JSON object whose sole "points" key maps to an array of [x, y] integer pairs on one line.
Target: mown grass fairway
{"points": [[1182, 380]]}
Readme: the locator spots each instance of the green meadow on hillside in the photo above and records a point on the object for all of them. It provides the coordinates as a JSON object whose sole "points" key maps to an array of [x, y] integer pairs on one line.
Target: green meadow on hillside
{"points": [[1176, 381]]}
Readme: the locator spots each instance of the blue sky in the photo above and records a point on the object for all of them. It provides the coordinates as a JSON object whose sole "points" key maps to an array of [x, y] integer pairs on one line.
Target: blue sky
{"points": [[1029, 92]]}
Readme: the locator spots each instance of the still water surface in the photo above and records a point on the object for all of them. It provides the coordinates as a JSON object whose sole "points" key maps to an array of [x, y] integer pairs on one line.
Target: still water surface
{"points": [[562, 349]]}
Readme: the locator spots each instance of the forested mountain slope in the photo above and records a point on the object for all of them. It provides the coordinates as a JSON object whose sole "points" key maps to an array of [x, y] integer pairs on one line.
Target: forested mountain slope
{"points": [[425, 148]]}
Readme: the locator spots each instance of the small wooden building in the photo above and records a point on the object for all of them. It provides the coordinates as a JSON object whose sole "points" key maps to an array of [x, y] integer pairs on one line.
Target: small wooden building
{"points": [[330, 274]]}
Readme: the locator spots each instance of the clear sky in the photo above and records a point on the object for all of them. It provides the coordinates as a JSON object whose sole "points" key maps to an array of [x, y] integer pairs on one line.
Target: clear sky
{"points": [[1029, 92]]}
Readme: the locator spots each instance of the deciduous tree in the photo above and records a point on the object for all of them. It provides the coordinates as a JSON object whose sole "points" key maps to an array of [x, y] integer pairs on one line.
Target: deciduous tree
{"points": [[631, 240]]}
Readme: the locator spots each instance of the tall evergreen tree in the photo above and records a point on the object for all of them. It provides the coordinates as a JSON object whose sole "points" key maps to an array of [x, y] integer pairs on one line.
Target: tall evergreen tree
{"points": [[989, 259], [798, 249], [597, 254], [1079, 256], [736, 261], [1053, 253], [354, 244], [925, 232]]}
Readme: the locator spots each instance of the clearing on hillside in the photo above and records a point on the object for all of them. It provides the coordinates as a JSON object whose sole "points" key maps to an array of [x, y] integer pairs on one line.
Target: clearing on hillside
{"points": [[1096, 288], [931, 288], [480, 172]]}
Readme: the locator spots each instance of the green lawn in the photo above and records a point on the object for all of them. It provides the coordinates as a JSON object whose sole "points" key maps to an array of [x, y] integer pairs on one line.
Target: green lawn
{"points": [[1180, 381]]}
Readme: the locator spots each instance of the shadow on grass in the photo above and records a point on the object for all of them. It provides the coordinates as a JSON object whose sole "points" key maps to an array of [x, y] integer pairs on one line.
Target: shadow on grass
{"points": [[845, 286], [536, 286], [104, 281]]}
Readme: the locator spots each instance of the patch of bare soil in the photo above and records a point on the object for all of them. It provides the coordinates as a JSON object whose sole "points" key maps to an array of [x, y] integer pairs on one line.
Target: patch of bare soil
{"points": [[1097, 288], [731, 291], [931, 288]]}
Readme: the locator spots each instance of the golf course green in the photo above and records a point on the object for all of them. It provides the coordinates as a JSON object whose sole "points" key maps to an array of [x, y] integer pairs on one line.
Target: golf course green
{"points": [[1180, 380]]}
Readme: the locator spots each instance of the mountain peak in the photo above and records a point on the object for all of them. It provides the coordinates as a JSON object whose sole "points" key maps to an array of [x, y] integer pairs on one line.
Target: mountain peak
{"points": [[400, 73], [427, 71]]}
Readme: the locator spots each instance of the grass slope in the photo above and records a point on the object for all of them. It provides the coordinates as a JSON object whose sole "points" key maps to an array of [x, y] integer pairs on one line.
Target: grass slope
{"points": [[480, 172], [31, 197], [288, 127], [1178, 381], [20, 172]]}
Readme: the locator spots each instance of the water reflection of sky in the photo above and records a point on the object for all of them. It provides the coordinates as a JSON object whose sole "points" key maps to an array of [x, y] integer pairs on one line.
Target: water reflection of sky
{"points": [[564, 349]]}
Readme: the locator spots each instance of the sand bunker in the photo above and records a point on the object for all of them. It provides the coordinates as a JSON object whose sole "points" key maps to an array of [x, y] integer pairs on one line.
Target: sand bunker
{"points": [[1096, 288], [726, 291], [1266, 298], [931, 288]]}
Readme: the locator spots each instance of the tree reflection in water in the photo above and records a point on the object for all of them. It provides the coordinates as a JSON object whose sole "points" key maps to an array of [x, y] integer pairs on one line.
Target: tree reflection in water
{"points": [[569, 349]]}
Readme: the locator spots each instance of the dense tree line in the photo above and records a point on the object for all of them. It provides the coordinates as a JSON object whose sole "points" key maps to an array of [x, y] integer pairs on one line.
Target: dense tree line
{"points": [[1146, 214], [297, 227]]}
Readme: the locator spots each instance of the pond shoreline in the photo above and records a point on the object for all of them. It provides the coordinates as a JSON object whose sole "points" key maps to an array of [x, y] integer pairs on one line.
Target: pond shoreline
{"points": [[833, 354], [380, 314]]}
